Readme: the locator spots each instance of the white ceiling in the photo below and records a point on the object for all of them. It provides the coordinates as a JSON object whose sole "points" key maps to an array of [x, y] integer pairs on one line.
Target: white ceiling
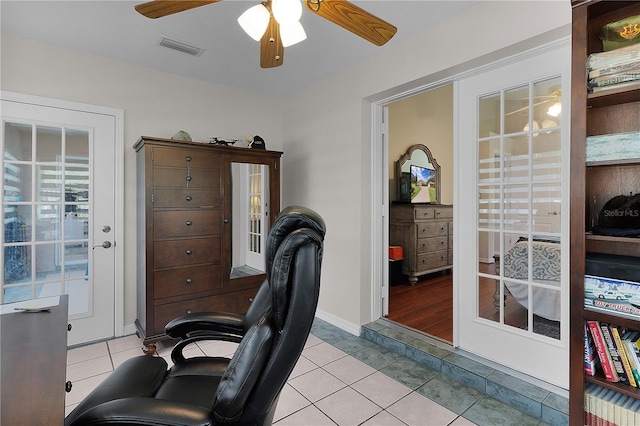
{"points": [[114, 29]]}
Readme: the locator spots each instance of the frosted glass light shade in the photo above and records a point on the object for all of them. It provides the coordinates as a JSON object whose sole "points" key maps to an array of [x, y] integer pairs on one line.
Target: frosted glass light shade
{"points": [[286, 11], [292, 33], [555, 109], [254, 21]]}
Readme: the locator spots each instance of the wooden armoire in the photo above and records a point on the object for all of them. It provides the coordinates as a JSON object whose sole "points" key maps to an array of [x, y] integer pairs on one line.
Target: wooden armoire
{"points": [[199, 208]]}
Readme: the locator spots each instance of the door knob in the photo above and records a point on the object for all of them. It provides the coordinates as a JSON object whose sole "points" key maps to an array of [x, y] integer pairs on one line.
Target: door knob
{"points": [[106, 229], [106, 245]]}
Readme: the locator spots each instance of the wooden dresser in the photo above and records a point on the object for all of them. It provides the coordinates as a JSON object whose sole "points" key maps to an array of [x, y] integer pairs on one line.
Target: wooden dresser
{"points": [[425, 232], [185, 226]]}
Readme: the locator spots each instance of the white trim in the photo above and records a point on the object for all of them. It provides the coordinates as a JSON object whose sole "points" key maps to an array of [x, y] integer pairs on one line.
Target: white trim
{"points": [[336, 321], [118, 115]]}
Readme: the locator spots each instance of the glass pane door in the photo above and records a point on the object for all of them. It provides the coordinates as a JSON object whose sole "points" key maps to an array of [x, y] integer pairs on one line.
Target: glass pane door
{"points": [[46, 214], [519, 206]]}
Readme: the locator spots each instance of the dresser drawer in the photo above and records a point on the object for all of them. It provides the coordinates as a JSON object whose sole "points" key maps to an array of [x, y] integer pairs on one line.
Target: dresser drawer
{"points": [[186, 198], [432, 229], [432, 260], [172, 253], [176, 282], [431, 244], [237, 302], [178, 178], [443, 212], [186, 223], [193, 158], [424, 212]]}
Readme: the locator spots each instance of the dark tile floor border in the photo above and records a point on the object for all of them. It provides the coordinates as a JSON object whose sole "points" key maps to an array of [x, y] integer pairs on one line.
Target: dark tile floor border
{"points": [[537, 400]]}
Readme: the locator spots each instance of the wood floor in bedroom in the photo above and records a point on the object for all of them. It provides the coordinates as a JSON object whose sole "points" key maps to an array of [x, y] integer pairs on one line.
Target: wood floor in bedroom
{"points": [[427, 306]]}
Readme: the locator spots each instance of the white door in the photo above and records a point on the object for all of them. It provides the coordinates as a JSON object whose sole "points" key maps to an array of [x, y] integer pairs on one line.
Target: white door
{"points": [[59, 212], [511, 186]]}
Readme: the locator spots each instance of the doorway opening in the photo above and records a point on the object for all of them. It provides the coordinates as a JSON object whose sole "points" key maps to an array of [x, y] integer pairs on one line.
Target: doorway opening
{"points": [[425, 305]]}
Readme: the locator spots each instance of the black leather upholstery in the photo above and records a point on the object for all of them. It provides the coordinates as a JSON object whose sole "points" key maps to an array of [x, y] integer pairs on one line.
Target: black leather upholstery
{"points": [[243, 390]]}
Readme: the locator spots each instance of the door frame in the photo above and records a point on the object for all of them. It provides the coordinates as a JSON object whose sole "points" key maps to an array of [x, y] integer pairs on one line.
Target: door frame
{"points": [[118, 115], [376, 141]]}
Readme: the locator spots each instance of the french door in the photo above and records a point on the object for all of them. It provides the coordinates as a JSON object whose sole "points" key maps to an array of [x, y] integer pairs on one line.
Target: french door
{"points": [[59, 192], [512, 186]]}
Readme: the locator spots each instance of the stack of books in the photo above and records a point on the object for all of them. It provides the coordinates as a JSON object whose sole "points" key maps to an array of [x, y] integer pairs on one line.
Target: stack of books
{"points": [[618, 352], [604, 406], [614, 69]]}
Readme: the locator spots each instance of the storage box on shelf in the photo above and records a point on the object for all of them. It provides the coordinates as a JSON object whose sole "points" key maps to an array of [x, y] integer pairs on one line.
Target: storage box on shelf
{"points": [[603, 117]]}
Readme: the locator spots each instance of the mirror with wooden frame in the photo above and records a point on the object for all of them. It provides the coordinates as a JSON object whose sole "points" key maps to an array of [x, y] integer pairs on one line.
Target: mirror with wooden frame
{"points": [[418, 176]]}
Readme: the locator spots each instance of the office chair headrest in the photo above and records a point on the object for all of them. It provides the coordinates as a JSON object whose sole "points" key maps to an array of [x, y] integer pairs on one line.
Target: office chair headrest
{"points": [[290, 219]]}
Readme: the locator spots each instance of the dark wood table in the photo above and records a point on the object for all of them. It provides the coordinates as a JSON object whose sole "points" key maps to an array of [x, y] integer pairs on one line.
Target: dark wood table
{"points": [[33, 358]]}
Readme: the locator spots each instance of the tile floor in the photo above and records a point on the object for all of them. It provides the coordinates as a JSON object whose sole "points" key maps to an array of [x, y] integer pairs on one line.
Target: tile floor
{"points": [[359, 383]]}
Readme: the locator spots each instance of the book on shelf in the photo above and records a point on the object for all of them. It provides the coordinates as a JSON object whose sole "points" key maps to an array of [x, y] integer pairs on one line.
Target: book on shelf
{"points": [[624, 66], [622, 353], [606, 407], [616, 361], [627, 84], [612, 79], [603, 354], [613, 57], [590, 354]]}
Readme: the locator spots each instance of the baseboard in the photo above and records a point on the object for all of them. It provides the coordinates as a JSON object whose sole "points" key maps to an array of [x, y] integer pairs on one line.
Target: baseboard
{"points": [[338, 322]]}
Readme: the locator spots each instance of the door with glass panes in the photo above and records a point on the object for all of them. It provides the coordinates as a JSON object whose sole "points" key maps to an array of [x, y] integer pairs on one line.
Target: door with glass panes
{"points": [[513, 303], [58, 211]]}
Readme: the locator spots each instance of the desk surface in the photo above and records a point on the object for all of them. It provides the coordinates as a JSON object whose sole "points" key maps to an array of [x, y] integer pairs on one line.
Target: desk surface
{"points": [[33, 354]]}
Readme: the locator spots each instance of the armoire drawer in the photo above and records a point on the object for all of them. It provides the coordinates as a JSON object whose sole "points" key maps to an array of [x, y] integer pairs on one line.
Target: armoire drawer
{"points": [[237, 302], [431, 244], [432, 260], [185, 223], [183, 178], [186, 198], [176, 282], [193, 158], [432, 229], [172, 253]]}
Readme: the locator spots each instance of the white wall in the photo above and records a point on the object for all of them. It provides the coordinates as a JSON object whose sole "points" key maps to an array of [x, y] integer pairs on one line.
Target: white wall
{"points": [[154, 103], [327, 127], [327, 130]]}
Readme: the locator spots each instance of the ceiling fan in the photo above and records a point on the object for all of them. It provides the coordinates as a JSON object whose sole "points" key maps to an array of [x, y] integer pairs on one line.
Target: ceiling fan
{"points": [[278, 20]]}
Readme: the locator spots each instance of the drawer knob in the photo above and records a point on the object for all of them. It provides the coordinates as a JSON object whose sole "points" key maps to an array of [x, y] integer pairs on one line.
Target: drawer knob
{"points": [[189, 311], [68, 386], [189, 178], [189, 198], [189, 223], [189, 252], [188, 158], [189, 280]]}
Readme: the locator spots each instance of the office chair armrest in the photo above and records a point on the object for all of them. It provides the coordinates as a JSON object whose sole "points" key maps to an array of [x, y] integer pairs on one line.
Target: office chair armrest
{"points": [[206, 323], [139, 410]]}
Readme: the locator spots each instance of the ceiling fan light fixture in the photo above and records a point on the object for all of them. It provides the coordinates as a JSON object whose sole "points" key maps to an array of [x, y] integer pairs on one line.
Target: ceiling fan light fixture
{"points": [[286, 11], [555, 109], [254, 21], [292, 33]]}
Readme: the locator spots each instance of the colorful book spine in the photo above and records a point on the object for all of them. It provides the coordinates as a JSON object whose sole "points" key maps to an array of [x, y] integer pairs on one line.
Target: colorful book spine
{"points": [[613, 352], [605, 359], [622, 353]]}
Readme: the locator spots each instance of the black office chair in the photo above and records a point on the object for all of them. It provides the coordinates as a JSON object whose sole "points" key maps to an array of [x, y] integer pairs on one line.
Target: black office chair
{"points": [[243, 390]]}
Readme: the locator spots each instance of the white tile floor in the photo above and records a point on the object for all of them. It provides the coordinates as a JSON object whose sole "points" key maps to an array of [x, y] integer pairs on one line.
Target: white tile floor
{"points": [[327, 387]]}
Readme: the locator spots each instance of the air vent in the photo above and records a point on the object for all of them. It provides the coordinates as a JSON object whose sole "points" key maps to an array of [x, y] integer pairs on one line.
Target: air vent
{"points": [[180, 46]]}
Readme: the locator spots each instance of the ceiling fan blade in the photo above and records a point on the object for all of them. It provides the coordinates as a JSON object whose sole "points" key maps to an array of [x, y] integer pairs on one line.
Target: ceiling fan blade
{"points": [[271, 49], [159, 8], [354, 19]]}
